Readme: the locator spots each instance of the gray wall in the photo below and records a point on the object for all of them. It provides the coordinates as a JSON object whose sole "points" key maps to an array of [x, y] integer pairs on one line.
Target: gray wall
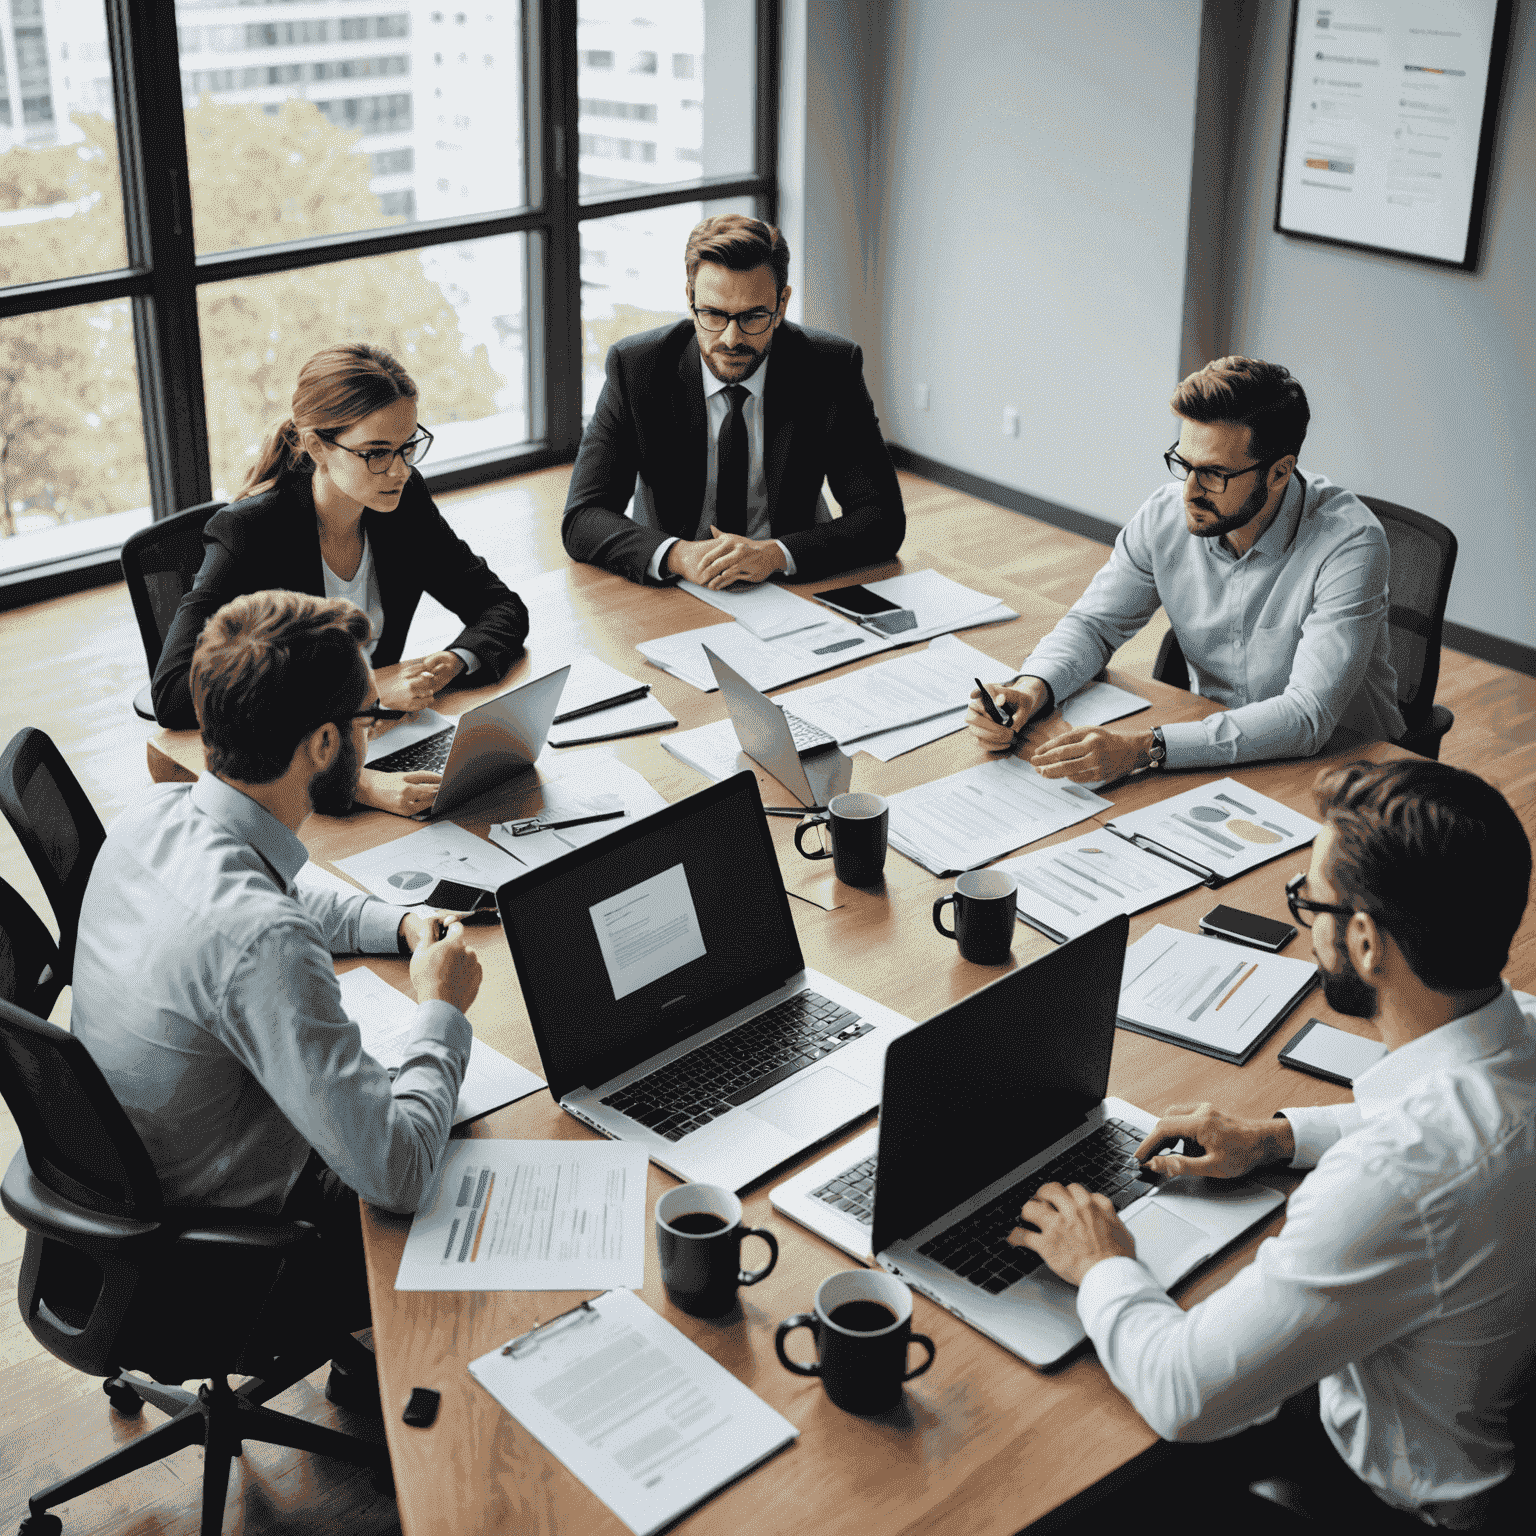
{"points": [[1063, 206]]}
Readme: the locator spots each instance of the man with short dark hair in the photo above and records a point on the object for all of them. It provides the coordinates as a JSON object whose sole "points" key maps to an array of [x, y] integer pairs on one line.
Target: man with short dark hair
{"points": [[1403, 1284], [204, 987], [1274, 581], [722, 428]]}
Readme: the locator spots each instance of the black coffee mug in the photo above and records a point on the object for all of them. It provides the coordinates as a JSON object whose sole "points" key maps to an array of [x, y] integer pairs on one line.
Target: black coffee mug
{"points": [[859, 825], [862, 1325], [986, 905], [699, 1236]]}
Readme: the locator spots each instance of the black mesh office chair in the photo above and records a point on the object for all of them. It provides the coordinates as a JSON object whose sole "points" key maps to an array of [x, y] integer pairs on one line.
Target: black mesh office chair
{"points": [[57, 827], [160, 563], [29, 959], [112, 1281], [1423, 560]]}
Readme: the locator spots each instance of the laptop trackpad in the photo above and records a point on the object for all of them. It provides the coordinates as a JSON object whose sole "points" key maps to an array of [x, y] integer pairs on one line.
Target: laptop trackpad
{"points": [[1164, 1243], [810, 1106]]}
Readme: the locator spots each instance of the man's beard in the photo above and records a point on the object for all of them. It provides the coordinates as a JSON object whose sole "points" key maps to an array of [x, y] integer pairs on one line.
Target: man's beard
{"points": [[1348, 992], [332, 790], [759, 357], [1252, 505]]}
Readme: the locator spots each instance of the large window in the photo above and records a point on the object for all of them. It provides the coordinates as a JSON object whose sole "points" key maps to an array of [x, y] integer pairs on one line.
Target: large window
{"points": [[196, 195]]}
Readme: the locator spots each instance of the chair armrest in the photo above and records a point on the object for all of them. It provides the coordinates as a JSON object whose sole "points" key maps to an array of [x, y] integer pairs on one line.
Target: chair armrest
{"points": [[273, 1237], [39, 1209]]}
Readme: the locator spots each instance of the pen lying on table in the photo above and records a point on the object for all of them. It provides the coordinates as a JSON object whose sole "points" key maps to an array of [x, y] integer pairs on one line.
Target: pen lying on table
{"points": [[528, 828]]}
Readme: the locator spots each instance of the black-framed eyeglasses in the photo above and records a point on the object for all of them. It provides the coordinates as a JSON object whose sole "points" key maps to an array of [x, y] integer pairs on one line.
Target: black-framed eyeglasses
{"points": [[750, 322], [378, 460], [1302, 907], [1206, 477], [376, 713]]}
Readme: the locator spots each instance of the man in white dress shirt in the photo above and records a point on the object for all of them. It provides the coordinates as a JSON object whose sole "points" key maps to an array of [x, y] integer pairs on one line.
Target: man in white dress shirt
{"points": [[1403, 1284]]}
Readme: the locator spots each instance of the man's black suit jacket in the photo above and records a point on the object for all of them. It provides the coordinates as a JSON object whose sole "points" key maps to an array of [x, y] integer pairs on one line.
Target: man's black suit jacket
{"points": [[818, 422], [273, 541]]}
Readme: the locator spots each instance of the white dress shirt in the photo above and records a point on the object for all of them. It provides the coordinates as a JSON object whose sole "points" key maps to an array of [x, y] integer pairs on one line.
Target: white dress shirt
{"points": [[1291, 636], [1403, 1283], [759, 519], [362, 591], [205, 992]]}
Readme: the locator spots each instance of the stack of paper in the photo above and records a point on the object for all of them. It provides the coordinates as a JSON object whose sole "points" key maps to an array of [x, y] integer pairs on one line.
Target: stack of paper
{"points": [[1068, 889], [765, 609], [970, 818], [637, 1411], [386, 1019], [938, 604], [1222, 830], [600, 703], [766, 664], [1208, 995], [407, 870]]}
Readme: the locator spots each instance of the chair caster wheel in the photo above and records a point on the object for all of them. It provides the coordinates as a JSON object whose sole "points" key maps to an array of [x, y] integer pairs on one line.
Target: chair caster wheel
{"points": [[41, 1525], [124, 1400]]}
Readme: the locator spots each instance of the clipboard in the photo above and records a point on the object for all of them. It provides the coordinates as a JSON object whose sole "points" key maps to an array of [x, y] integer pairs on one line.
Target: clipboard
{"points": [[1208, 877]]}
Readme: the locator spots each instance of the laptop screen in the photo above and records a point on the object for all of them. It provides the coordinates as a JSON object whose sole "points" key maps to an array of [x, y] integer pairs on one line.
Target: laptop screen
{"points": [[638, 941], [983, 1086]]}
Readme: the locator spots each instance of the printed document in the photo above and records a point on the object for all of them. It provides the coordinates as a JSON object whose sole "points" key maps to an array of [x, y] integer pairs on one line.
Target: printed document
{"points": [[710, 749], [530, 1216], [766, 664], [386, 1019], [407, 870], [1099, 703], [764, 608], [648, 931], [1067, 889], [648, 1421], [1220, 998], [593, 683], [1224, 827], [972, 817]]}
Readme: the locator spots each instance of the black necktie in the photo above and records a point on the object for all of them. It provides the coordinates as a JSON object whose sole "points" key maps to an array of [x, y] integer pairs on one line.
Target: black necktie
{"points": [[731, 478]]}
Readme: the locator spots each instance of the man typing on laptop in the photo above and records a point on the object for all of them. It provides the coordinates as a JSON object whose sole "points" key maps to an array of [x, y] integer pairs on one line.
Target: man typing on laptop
{"points": [[1394, 1317]]}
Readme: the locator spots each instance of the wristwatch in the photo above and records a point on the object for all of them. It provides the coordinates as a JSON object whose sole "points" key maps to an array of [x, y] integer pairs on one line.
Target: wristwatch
{"points": [[1158, 752]]}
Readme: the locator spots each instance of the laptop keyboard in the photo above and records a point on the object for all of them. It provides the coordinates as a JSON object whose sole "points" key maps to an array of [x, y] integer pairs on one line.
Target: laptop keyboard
{"points": [[977, 1248], [425, 756], [805, 734], [853, 1190], [736, 1067]]}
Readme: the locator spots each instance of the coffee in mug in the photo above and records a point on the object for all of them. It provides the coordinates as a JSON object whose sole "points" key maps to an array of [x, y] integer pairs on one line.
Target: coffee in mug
{"points": [[699, 1234]]}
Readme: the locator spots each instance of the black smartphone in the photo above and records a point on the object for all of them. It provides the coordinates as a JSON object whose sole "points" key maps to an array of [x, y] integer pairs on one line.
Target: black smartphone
{"points": [[1247, 928], [1330, 1053], [421, 1411], [452, 896], [861, 603]]}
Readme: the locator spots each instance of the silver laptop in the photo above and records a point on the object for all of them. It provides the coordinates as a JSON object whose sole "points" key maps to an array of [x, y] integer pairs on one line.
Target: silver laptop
{"points": [[801, 756], [670, 1001], [981, 1105], [485, 746]]}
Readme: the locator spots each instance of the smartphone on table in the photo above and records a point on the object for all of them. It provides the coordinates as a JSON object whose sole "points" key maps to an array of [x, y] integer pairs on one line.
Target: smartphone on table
{"points": [[1247, 928], [870, 608]]}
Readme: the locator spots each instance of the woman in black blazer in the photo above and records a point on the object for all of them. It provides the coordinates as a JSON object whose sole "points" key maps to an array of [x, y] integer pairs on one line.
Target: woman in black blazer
{"points": [[335, 508]]}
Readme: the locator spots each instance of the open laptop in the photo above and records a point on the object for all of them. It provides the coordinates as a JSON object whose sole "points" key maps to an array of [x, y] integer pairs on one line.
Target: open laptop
{"points": [[801, 756], [980, 1106], [670, 1001], [484, 746]]}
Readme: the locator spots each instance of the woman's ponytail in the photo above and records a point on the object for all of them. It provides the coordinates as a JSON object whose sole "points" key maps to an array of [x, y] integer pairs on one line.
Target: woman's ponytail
{"points": [[280, 454]]}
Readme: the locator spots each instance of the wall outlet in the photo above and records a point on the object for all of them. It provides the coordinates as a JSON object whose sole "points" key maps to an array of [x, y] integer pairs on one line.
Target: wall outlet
{"points": [[920, 396], [1010, 421]]}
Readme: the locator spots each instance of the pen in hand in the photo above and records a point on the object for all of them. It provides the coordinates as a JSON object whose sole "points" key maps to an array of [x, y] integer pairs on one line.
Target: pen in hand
{"points": [[998, 714]]}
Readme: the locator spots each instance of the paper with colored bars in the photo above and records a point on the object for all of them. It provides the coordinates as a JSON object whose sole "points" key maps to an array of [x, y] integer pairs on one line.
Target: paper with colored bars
{"points": [[1071, 887], [972, 817], [1222, 829], [1206, 994], [636, 1410], [530, 1216]]}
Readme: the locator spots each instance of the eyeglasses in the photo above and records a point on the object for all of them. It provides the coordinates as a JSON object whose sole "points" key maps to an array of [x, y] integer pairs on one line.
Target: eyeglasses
{"points": [[379, 460], [750, 322], [1208, 479], [376, 713], [1302, 908]]}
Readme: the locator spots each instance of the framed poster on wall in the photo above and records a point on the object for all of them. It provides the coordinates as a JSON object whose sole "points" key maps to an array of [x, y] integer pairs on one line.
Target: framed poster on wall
{"points": [[1389, 116]]}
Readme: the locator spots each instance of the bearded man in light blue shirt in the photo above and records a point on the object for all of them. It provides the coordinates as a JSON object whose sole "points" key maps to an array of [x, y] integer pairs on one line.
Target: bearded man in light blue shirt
{"points": [[1375, 1351], [1274, 581]]}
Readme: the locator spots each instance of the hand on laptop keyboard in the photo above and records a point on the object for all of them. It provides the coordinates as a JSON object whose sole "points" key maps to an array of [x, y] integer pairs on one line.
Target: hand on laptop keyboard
{"points": [[1072, 1230], [403, 794]]}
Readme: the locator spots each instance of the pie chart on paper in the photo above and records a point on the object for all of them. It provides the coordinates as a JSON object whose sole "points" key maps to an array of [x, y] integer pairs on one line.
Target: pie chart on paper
{"points": [[1250, 832], [409, 879]]}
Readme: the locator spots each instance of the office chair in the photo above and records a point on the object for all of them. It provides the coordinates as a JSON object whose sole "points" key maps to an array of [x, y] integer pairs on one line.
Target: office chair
{"points": [[112, 1280], [160, 563], [57, 827], [29, 959], [1423, 559]]}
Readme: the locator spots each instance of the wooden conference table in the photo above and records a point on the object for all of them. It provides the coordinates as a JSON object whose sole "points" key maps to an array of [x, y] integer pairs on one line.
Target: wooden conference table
{"points": [[982, 1443]]}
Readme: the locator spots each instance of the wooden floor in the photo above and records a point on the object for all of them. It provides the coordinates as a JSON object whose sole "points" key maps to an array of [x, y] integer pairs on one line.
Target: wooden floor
{"points": [[72, 666]]}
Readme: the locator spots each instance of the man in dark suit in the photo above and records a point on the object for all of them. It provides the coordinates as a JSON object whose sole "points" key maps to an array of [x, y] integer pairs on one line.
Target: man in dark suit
{"points": [[722, 428]]}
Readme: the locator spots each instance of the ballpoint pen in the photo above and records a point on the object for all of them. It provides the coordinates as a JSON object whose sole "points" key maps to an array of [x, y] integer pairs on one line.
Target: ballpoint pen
{"points": [[602, 704], [528, 828], [998, 714]]}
